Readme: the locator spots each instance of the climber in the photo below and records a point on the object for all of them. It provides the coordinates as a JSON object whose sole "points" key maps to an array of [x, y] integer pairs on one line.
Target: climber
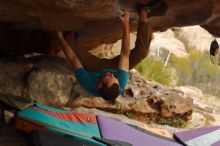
{"points": [[109, 83], [154, 7]]}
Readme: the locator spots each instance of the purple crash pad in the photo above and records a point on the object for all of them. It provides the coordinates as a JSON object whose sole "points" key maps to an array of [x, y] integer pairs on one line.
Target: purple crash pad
{"points": [[116, 130], [209, 136]]}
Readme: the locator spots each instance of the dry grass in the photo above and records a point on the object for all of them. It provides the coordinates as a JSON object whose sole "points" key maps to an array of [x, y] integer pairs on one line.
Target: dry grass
{"points": [[212, 100]]}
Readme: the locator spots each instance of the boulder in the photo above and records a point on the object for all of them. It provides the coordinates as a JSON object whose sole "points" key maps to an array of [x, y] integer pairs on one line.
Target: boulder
{"points": [[195, 38], [13, 76], [143, 100], [26, 25], [192, 92], [167, 41], [50, 80], [62, 15]]}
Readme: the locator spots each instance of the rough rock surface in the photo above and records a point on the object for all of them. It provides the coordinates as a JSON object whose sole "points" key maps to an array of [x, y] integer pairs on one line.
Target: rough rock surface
{"points": [[51, 81], [140, 100], [98, 14], [13, 77], [89, 20]]}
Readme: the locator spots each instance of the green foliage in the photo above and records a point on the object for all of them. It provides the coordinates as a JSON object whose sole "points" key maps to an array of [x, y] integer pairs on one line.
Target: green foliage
{"points": [[194, 70], [197, 70], [176, 122], [130, 115], [152, 69], [151, 120]]}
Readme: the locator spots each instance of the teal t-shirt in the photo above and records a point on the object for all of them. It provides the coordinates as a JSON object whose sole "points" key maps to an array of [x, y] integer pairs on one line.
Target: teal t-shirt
{"points": [[89, 79]]}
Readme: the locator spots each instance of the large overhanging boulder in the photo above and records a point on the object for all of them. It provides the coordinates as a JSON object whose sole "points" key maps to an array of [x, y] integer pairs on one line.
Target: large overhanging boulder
{"points": [[25, 24], [88, 16]]}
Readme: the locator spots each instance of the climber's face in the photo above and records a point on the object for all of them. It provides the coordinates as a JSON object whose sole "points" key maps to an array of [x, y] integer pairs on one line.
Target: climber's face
{"points": [[108, 79]]}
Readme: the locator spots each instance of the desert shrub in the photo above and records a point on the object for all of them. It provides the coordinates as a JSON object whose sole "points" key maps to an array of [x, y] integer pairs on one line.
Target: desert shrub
{"points": [[175, 122], [152, 69], [194, 70], [197, 70]]}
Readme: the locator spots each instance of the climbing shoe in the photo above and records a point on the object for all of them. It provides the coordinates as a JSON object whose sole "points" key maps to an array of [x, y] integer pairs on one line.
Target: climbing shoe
{"points": [[154, 7]]}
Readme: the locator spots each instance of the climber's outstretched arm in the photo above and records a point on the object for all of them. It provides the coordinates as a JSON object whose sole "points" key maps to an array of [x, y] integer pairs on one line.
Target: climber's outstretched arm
{"points": [[70, 54], [144, 36], [125, 49], [142, 44]]}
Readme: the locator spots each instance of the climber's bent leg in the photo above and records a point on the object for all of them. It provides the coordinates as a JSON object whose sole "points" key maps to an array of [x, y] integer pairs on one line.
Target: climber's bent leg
{"points": [[142, 44]]}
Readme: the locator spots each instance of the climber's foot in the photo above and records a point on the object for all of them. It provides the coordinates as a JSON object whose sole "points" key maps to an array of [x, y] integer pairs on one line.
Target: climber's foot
{"points": [[143, 16], [143, 5], [154, 7]]}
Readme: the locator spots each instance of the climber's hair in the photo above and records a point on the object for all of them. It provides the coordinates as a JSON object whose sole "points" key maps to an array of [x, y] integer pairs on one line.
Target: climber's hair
{"points": [[110, 93]]}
